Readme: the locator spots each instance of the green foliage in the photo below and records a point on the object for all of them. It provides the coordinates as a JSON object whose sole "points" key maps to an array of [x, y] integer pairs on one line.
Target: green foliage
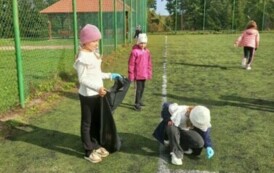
{"points": [[221, 14], [6, 26]]}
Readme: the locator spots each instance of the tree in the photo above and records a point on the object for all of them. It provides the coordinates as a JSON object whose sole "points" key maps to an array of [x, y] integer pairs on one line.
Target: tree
{"points": [[6, 21]]}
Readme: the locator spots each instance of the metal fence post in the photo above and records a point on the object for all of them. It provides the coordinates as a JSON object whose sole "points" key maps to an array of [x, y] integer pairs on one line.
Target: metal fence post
{"points": [[101, 26], [75, 27], [18, 53]]}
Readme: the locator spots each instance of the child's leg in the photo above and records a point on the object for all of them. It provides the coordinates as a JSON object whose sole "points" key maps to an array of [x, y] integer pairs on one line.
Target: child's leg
{"points": [[250, 51], [251, 56], [143, 82], [246, 54], [173, 134], [88, 105], [139, 91], [190, 139]]}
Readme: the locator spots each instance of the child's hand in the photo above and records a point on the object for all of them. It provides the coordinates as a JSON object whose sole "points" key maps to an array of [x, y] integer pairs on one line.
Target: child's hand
{"points": [[170, 123], [102, 91], [115, 76]]}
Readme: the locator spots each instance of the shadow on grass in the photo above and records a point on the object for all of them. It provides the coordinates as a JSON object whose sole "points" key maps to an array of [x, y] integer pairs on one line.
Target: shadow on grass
{"points": [[208, 66], [250, 103], [140, 145], [50, 139], [70, 144], [127, 105]]}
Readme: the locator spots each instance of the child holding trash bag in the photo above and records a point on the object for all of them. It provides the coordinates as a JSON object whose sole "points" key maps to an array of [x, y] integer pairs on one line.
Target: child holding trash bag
{"points": [[185, 130], [90, 76]]}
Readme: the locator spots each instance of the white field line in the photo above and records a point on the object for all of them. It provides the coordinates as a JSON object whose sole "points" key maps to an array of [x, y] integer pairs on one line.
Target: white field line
{"points": [[36, 47], [164, 155]]}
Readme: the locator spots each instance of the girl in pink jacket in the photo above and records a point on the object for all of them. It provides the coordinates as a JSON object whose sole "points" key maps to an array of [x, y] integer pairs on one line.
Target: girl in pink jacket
{"points": [[140, 68], [249, 39]]}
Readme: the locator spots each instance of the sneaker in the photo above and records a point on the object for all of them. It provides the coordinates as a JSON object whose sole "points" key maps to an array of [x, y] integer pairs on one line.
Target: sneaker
{"points": [[175, 160], [248, 68], [102, 152], [244, 62], [166, 143], [93, 157], [137, 108], [142, 104], [189, 151]]}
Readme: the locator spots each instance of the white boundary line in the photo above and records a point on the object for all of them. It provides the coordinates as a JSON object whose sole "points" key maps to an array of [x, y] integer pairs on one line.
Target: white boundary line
{"points": [[165, 157]]}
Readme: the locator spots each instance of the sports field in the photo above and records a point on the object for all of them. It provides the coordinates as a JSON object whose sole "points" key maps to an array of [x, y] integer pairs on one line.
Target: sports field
{"points": [[200, 69]]}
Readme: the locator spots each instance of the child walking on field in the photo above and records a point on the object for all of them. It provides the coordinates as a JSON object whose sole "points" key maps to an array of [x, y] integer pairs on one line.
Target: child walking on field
{"points": [[90, 76], [249, 39], [140, 68]]}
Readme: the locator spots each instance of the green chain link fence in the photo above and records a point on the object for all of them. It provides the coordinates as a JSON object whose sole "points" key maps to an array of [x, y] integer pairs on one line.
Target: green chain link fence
{"points": [[39, 40]]}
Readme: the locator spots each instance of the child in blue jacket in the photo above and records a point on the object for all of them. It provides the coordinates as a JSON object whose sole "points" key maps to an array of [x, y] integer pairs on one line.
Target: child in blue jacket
{"points": [[186, 129]]}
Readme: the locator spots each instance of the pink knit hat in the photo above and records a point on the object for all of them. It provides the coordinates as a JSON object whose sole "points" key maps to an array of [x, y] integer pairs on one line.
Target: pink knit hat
{"points": [[89, 33]]}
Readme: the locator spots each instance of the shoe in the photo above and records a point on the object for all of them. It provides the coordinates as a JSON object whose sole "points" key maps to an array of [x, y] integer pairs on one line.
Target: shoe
{"points": [[137, 108], [102, 152], [244, 62], [189, 151], [248, 67], [166, 143], [175, 160], [93, 157]]}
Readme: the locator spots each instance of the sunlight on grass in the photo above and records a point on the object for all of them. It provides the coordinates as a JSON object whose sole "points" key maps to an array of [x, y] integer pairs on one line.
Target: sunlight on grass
{"points": [[201, 69]]}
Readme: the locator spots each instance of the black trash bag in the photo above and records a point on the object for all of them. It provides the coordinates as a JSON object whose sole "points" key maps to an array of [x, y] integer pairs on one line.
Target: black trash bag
{"points": [[109, 138], [118, 92]]}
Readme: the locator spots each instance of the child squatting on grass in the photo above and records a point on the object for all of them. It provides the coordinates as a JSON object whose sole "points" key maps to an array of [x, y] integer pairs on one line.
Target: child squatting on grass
{"points": [[140, 68], [249, 39], [90, 76], [185, 130]]}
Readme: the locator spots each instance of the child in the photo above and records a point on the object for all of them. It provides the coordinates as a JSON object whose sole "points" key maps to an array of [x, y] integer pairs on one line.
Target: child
{"points": [[90, 76], [249, 39], [140, 68], [186, 129], [138, 31]]}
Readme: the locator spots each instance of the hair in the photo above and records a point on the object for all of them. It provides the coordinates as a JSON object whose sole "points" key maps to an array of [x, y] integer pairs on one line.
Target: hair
{"points": [[251, 24], [188, 122]]}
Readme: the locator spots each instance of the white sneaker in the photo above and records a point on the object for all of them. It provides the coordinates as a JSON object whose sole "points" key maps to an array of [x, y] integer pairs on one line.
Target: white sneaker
{"points": [[175, 160], [248, 68], [102, 152], [189, 151], [244, 62], [166, 143], [93, 157]]}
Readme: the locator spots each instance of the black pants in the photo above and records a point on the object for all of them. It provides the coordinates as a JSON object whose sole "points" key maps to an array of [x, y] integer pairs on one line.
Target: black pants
{"points": [[182, 140], [249, 54], [90, 122], [140, 87]]}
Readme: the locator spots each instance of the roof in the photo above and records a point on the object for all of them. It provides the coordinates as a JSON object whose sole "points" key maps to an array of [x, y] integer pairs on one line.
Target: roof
{"points": [[83, 6]]}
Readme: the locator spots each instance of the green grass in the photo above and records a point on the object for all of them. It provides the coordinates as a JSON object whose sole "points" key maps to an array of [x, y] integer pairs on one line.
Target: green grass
{"points": [[39, 68], [201, 69]]}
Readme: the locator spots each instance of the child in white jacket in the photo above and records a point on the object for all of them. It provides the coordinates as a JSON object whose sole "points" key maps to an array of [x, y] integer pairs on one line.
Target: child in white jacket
{"points": [[90, 76]]}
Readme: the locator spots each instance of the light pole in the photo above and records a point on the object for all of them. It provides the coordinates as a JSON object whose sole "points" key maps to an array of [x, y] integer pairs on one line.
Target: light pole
{"points": [[263, 16], [233, 16], [204, 15], [176, 16]]}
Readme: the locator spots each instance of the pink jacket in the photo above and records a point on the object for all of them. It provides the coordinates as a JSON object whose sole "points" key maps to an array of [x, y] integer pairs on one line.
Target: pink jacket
{"points": [[139, 64], [249, 38]]}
